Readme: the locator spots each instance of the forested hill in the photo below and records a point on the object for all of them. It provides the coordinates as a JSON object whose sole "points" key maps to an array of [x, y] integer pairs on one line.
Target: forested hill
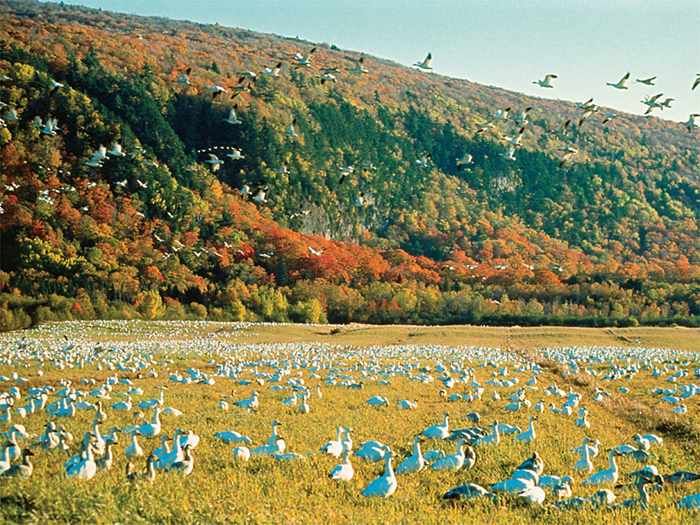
{"points": [[251, 176]]}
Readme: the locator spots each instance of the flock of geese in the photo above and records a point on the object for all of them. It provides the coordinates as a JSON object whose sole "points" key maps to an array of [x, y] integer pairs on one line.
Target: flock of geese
{"points": [[247, 79], [502, 383]]}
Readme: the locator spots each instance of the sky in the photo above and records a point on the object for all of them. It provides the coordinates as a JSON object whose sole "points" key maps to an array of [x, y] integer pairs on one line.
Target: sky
{"points": [[505, 43]]}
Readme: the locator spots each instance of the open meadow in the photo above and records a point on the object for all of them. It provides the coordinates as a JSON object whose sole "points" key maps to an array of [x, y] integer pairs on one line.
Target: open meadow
{"points": [[605, 384]]}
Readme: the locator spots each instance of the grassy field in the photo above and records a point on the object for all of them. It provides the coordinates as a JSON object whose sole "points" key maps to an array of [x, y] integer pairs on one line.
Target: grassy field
{"points": [[266, 491]]}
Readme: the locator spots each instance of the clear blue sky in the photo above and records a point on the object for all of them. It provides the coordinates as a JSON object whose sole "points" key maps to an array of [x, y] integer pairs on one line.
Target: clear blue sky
{"points": [[506, 43]]}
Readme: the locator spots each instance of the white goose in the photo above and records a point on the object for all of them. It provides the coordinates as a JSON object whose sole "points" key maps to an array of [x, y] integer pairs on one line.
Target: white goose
{"points": [[214, 162], [334, 447], [464, 456], [233, 118], [344, 470], [371, 451], [608, 475], [249, 403], [240, 454], [646, 81], [439, 430], [133, 450], [415, 462], [528, 436], [426, 64], [151, 429], [384, 485], [546, 82], [620, 84]]}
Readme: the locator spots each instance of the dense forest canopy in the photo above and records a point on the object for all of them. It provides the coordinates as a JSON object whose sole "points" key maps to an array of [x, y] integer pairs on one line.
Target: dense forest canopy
{"points": [[344, 190]]}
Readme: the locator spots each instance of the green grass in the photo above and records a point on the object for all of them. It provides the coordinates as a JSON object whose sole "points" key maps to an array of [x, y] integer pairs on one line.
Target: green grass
{"points": [[263, 491]]}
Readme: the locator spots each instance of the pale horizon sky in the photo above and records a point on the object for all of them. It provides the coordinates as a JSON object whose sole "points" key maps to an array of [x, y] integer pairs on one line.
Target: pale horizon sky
{"points": [[504, 43]]}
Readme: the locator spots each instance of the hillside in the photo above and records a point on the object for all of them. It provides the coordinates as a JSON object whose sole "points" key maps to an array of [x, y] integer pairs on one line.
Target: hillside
{"points": [[366, 215]]}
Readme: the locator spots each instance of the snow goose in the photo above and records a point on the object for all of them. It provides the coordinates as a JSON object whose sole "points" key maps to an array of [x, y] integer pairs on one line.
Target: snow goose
{"points": [[371, 451], [439, 430], [186, 464], [151, 429], [358, 67], [240, 454], [54, 86], [216, 90], [334, 447], [415, 462], [344, 470], [133, 450], [426, 64], [546, 82], [385, 485], [532, 495], [21, 470], [608, 475], [5, 462], [233, 118], [406, 404], [183, 78], [304, 60], [235, 154], [261, 196], [116, 150], [214, 162], [149, 474], [528, 436], [378, 401], [620, 84], [534, 463], [464, 456], [468, 491], [273, 72], [646, 81], [249, 403], [231, 436]]}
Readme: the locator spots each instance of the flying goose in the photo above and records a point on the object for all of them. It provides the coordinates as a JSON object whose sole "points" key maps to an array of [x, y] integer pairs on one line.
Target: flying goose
{"points": [[646, 81], [216, 90], [232, 117], [546, 82], [620, 84], [98, 157], [304, 61], [184, 78], [358, 68], [291, 132], [50, 127], [652, 103], [690, 124], [426, 64], [273, 72], [261, 196], [116, 150], [328, 77], [697, 82], [235, 154], [55, 86], [214, 161], [466, 160]]}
